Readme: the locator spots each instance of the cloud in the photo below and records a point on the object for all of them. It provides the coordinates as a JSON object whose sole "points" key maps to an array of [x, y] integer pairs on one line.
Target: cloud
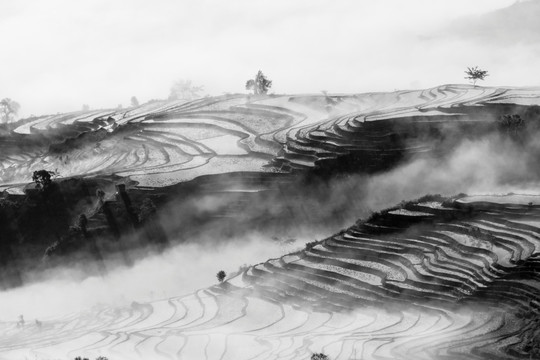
{"points": [[179, 271]]}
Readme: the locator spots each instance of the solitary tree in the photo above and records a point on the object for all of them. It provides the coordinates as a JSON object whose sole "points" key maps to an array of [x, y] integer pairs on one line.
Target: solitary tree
{"points": [[42, 178], [259, 85], [134, 101], [185, 90], [221, 276], [320, 356], [85, 107], [474, 74], [8, 109]]}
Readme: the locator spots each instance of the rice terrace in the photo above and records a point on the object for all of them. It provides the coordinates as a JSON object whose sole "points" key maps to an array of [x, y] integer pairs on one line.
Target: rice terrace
{"points": [[257, 217]]}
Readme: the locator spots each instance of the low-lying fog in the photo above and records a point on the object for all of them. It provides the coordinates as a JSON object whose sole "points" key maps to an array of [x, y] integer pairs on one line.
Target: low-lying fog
{"points": [[180, 270], [488, 165]]}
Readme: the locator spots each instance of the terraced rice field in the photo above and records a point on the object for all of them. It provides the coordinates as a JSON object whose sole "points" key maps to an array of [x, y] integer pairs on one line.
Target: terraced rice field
{"points": [[435, 279], [163, 143]]}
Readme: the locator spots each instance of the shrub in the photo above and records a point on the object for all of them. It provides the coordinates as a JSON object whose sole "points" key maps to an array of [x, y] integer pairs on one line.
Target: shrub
{"points": [[221, 276], [42, 178], [320, 356]]}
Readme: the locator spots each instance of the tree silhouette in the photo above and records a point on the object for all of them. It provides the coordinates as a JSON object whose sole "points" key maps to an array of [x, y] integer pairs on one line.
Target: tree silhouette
{"points": [[134, 101], [259, 85], [474, 74], [221, 276], [185, 90], [42, 178], [320, 356], [8, 109]]}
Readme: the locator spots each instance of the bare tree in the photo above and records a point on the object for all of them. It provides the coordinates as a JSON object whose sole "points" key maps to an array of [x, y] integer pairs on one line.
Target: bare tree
{"points": [[259, 85], [474, 74], [8, 110], [185, 90]]}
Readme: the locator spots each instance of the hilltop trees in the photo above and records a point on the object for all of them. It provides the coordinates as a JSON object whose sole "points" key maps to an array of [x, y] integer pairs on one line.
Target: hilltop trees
{"points": [[42, 178], [8, 110], [474, 74], [259, 85], [134, 101], [185, 90]]}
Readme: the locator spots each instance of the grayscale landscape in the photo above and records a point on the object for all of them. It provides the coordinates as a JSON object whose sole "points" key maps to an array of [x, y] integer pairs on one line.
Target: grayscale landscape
{"points": [[256, 180]]}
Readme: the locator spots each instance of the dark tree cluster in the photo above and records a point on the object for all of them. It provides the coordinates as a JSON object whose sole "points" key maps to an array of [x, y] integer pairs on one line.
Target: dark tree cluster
{"points": [[221, 276], [513, 125], [43, 179]]}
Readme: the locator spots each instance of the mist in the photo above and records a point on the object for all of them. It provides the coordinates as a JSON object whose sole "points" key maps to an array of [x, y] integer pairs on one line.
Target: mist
{"points": [[491, 164], [101, 53], [180, 270]]}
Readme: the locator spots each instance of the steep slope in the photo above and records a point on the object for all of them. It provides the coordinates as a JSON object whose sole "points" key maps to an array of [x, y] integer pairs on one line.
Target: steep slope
{"points": [[163, 143], [431, 279]]}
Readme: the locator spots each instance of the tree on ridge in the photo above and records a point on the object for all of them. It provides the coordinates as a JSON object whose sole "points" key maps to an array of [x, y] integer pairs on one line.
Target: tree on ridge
{"points": [[260, 84], [474, 74], [134, 101], [185, 90]]}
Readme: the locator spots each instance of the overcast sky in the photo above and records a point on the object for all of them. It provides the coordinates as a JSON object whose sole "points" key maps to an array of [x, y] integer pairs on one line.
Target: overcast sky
{"points": [[60, 54]]}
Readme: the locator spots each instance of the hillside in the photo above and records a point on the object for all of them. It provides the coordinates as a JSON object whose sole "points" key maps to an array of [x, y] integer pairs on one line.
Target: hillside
{"points": [[435, 278], [164, 143]]}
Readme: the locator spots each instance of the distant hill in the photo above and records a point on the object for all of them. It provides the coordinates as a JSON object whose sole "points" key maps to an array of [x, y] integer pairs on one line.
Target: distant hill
{"points": [[514, 24]]}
